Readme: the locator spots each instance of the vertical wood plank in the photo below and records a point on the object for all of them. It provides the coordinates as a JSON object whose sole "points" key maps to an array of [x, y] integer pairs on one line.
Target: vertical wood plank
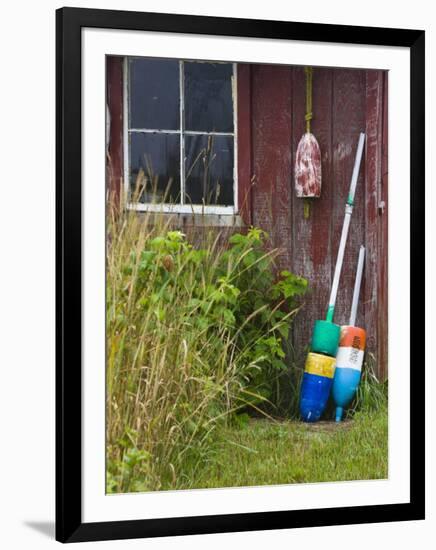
{"points": [[244, 142], [374, 103], [311, 251], [383, 243], [114, 150], [271, 126], [348, 120]]}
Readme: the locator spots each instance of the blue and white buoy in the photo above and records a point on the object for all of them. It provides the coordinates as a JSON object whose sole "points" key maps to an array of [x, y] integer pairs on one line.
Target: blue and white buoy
{"points": [[349, 358]]}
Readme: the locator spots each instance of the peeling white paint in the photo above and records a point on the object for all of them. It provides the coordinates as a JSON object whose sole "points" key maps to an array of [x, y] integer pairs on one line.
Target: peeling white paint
{"points": [[342, 150]]}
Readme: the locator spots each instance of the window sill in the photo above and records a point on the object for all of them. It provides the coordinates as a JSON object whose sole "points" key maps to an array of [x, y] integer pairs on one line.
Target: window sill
{"points": [[182, 209], [219, 216]]}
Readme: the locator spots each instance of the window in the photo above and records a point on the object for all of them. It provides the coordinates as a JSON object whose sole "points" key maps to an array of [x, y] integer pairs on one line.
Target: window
{"points": [[180, 135]]}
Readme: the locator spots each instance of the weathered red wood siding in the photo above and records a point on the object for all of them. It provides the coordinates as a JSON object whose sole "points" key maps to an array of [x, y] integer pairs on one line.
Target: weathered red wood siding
{"points": [[114, 98], [244, 143], [272, 152], [382, 288], [271, 109], [345, 102]]}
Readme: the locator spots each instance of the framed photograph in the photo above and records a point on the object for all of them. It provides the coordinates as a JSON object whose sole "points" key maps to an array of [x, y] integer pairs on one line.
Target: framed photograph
{"points": [[240, 260]]}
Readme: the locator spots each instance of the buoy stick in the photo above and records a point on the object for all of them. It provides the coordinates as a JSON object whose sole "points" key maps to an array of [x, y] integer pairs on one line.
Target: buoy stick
{"points": [[357, 283], [344, 235]]}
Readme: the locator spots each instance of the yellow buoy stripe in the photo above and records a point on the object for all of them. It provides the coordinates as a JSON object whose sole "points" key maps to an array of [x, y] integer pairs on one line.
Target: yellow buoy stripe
{"points": [[321, 365]]}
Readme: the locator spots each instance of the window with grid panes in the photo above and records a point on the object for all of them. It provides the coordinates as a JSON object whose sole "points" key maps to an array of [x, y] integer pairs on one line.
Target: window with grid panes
{"points": [[181, 134]]}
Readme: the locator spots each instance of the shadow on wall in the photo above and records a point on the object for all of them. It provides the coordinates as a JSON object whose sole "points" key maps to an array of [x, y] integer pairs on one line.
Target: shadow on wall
{"points": [[46, 528]]}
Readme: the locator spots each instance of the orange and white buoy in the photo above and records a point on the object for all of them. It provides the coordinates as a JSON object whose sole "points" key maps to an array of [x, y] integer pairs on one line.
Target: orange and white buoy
{"points": [[349, 358]]}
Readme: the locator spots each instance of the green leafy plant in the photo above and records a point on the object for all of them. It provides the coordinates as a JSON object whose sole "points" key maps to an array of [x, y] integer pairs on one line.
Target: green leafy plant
{"points": [[261, 336]]}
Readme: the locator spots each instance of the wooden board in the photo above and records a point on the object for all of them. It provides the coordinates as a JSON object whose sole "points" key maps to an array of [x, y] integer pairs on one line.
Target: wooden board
{"points": [[272, 156], [383, 218], [114, 99], [374, 99], [311, 246], [348, 120]]}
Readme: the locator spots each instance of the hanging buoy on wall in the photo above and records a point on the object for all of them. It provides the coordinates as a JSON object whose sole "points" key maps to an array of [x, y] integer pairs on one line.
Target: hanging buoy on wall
{"points": [[307, 170], [349, 359], [326, 334], [308, 167]]}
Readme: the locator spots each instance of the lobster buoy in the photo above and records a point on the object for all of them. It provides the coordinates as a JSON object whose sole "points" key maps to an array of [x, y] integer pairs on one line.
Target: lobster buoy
{"points": [[349, 358], [325, 338], [308, 167], [316, 385], [349, 361]]}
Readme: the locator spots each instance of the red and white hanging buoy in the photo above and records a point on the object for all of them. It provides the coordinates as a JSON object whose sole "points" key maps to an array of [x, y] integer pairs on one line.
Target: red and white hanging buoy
{"points": [[308, 167], [308, 157]]}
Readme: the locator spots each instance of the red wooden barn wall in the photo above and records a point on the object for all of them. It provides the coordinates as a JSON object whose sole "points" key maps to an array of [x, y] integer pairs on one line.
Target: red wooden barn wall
{"points": [[345, 102], [271, 109], [115, 148]]}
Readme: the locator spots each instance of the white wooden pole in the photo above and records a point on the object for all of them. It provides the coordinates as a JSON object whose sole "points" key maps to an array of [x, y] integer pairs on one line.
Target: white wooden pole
{"points": [[357, 283], [345, 227], [356, 167]]}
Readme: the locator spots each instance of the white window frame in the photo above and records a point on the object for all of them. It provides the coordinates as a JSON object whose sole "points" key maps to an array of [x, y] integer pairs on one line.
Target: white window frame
{"points": [[180, 208]]}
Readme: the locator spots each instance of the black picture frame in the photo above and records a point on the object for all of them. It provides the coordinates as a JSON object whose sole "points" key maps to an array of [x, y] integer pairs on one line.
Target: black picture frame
{"points": [[69, 525]]}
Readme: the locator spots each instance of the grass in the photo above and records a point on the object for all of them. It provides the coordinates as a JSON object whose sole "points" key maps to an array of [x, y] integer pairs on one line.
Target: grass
{"points": [[264, 451], [274, 453]]}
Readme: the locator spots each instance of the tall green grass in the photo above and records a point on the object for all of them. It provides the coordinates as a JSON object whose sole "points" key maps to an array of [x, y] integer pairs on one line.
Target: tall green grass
{"points": [[194, 334], [372, 393]]}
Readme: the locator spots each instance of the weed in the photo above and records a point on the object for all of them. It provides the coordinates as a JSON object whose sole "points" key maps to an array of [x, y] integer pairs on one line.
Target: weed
{"points": [[371, 395], [194, 335]]}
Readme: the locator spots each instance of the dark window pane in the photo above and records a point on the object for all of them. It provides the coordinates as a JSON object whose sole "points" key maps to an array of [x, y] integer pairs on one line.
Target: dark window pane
{"points": [[155, 167], [209, 170], [154, 94], [208, 97]]}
